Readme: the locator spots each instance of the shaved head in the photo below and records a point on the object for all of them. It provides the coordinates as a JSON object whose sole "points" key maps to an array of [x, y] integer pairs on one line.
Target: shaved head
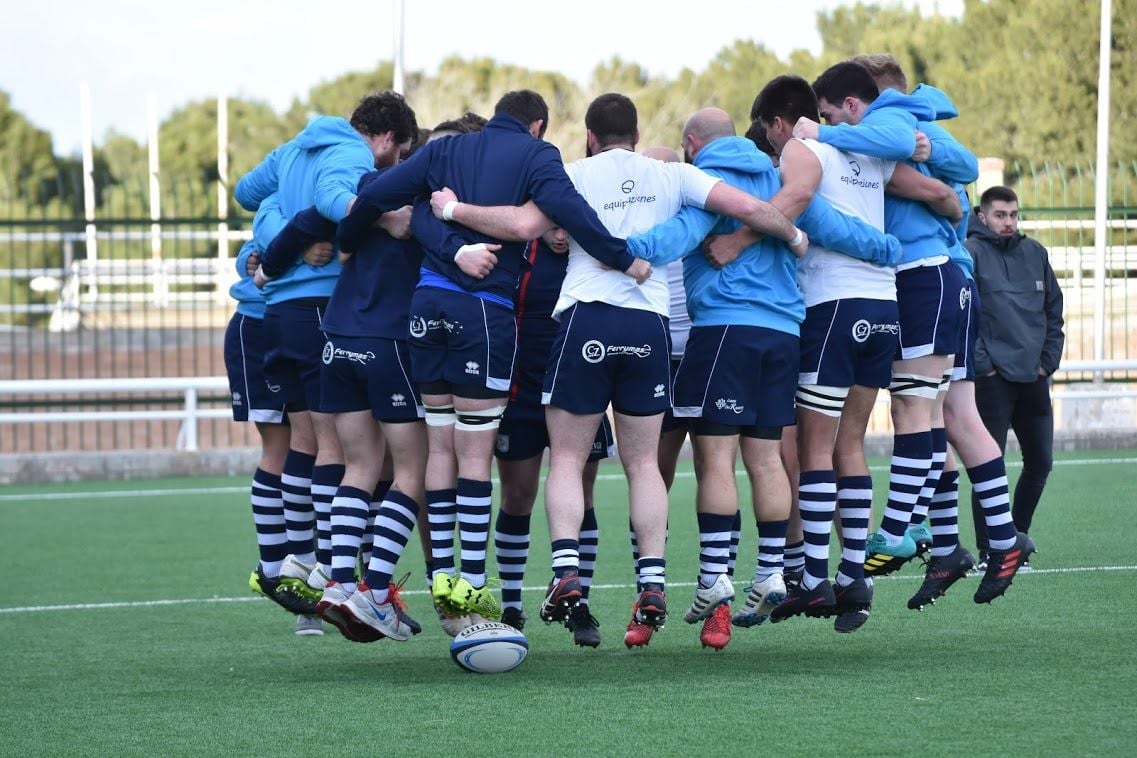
{"points": [[709, 124], [661, 153]]}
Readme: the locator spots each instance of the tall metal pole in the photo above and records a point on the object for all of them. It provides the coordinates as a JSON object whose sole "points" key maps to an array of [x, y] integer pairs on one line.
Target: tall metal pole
{"points": [[397, 83], [161, 283], [222, 194], [87, 127], [1101, 180]]}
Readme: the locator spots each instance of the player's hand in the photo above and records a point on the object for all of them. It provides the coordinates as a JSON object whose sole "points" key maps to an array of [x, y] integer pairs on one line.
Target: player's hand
{"points": [[259, 278], [923, 149], [806, 128], [396, 223], [640, 270], [721, 249], [318, 254], [252, 263], [477, 261], [439, 199], [343, 257], [802, 245]]}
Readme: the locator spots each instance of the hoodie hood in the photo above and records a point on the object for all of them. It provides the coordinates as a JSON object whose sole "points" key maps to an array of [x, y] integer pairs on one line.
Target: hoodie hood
{"points": [[917, 105], [941, 105], [733, 154], [324, 131]]}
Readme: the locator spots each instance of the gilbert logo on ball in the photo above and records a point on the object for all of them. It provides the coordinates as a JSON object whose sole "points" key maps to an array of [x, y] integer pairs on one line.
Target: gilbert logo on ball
{"points": [[489, 648]]}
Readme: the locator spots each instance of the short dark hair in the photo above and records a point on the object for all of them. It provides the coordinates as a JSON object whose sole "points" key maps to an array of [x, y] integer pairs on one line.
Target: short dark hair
{"points": [[466, 123], [385, 112], [757, 134], [997, 194], [787, 96], [526, 106], [420, 139], [846, 79], [612, 118]]}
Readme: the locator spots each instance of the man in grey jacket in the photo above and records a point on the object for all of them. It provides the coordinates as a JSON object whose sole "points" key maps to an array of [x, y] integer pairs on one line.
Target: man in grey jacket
{"points": [[1019, 344]]}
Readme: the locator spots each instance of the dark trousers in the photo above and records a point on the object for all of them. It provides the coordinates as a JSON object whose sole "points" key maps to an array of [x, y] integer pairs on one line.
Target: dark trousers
{"points": [[1026, 408]]}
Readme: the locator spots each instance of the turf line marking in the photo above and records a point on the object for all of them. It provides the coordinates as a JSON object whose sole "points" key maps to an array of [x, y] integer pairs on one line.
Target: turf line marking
{"points": [[535, 588], [178, 491]]}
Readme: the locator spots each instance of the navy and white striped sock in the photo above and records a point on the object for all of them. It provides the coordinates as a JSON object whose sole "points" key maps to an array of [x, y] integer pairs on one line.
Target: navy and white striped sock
{"points": [[771, 547], [714, 546], [939, 458], [442, 513], [474, 505], [299, 518], [817, 503], [735, 536], [350, 510], [566, 557], [511, 548], [393, 528], [268, 520], [944, 515], [325, 481], [651, 570], [372, 511], [911, 462], [794, 557], [854, 499], [989, 480], [589, 545]]}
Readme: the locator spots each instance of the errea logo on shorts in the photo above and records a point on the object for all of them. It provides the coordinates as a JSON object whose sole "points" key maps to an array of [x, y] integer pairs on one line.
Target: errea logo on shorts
{"points": [[398, 400], [861, 330], [658, 391], [472, 367]]}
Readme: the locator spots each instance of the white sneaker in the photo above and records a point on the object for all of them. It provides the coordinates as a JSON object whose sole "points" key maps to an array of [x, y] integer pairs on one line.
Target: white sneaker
{"points": [[331, 608], [309, 626], [762, 598], [317, 579], [382, 617], [707, 599]]}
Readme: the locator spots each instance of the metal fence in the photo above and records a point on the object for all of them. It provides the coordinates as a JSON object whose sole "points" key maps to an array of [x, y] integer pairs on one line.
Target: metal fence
{"points": [[115, 290]]}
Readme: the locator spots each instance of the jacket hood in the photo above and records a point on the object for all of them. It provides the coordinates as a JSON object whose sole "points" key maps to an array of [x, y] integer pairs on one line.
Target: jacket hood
{"points": [[733, 154], [917, 105], [940, 103], [323, 131]]}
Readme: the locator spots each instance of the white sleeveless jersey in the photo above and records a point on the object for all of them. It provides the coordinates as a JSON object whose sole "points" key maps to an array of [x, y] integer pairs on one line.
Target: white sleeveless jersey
{"points": [[679, 320], [630, 194], [853, 184]]}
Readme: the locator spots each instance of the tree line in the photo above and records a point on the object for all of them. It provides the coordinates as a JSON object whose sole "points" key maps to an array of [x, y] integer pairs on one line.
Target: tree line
{"points": [[1022, 72]]}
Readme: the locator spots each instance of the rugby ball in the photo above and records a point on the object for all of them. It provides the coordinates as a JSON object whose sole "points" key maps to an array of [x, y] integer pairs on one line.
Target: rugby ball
{"points": [[489, 648]]}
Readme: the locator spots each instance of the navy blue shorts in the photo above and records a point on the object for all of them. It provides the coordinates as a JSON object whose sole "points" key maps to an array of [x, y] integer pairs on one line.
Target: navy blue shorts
{"points": [[459, 339], [605, 354], [932, 301], [252, 397], [368, 374], [296, 341], [738, 376], [850, 341], [964, 368], [523, 434], [671, 422]]}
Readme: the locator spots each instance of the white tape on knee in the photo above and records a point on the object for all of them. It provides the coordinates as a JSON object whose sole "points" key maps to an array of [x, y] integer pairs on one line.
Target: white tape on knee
{"points": [[440, 415], [828, 401], [913, 385], [480, 421]]}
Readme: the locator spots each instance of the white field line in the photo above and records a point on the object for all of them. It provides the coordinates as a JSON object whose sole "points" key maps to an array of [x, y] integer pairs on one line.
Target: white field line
{"points": [[190, 491], [536, 588]]}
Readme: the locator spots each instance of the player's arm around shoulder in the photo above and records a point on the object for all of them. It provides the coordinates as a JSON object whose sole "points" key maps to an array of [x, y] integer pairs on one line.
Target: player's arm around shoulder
{"points": [[800, 171]]}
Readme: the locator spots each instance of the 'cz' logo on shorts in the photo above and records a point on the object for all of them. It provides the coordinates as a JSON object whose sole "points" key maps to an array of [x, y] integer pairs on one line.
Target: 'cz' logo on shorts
{"points": [[593, 351], [503, 443], [329, 353], [418, 326], [861, 330], [964, 297]]}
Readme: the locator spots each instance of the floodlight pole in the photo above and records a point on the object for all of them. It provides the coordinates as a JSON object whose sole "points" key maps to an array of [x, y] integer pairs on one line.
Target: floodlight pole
{"points": [[1101, 180], [397, 78]]}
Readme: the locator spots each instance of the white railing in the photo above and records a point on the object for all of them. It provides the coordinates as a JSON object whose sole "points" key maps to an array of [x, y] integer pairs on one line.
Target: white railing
{"points": [[189, 414], [191, 387]]}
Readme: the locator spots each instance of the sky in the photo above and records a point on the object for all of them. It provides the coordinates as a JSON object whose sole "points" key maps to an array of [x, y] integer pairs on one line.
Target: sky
{"points": [[275, 50]]}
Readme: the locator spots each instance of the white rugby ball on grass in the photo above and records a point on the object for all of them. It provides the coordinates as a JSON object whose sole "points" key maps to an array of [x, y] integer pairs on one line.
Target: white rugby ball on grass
{"points": [[489, 648]]}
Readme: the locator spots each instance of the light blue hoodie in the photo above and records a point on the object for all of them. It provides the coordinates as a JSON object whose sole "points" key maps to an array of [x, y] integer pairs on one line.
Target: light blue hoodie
{"points": [[921, 231], [759, 288], [321, 166], [250, 300], [952, 164]]}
